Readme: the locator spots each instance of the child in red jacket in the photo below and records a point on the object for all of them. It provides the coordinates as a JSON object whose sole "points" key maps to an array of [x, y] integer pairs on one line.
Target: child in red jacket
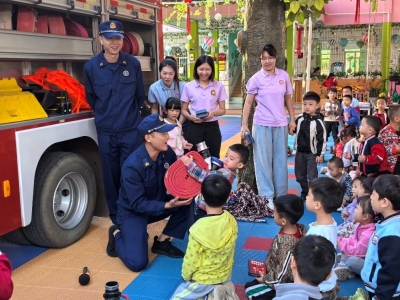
{"points": [[372, 158], [381, 104], [390, 139], [6, 284], [330, 81]]}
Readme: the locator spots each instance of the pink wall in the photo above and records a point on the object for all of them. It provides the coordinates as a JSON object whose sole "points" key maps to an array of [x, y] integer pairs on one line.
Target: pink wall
{"points": [[340, 12]]}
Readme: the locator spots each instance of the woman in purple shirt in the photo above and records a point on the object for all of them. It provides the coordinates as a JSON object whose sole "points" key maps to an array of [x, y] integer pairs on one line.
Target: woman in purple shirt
{"points": [[204, 93], [272, 89]]}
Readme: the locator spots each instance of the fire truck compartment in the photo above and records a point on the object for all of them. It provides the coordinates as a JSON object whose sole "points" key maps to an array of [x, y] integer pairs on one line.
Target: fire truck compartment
{"points": [[16, 105]]}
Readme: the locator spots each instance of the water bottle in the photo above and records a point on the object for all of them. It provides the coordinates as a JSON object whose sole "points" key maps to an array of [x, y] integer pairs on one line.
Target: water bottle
{"points": [[249, 138], [204, 152], [112, 291]]}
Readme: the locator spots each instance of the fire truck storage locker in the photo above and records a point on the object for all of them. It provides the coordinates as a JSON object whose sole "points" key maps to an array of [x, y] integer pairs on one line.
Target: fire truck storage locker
{"points": [[50, 171]]}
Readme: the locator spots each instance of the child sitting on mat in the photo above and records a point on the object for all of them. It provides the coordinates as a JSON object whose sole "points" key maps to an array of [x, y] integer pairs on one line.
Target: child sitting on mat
{"points": [[235, 158], [288, 211], [208, 262]]}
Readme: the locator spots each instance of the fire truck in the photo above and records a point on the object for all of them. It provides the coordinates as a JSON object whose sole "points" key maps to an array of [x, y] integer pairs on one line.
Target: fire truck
{"points": [[50, 172]]}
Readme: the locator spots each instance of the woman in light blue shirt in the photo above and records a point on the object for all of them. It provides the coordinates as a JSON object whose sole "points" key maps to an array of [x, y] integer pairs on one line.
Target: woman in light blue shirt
{"points": [[168, 86]]}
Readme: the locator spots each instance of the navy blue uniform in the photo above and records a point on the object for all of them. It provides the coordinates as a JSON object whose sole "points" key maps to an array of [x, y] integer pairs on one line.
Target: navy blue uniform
{"points": [[115, 92], [141, 201]]}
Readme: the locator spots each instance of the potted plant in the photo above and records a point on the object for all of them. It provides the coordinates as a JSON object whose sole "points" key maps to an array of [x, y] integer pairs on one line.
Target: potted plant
{"points": [[184, 78], [374, 87], [375, 74], [341, 75], [359, 74], [394, 74]]}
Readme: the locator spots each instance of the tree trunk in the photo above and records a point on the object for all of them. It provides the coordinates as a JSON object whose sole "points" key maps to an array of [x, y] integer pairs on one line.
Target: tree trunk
{"points": [[264, 23]]}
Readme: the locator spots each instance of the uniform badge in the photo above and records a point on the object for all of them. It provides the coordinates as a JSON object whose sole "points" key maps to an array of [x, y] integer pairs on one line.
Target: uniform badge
{"points": [[112, 25], [126, 73], [146, 164], [281, 82], [101, 64], [375, 239], [166, 165], [213, 92], [160, 118]]}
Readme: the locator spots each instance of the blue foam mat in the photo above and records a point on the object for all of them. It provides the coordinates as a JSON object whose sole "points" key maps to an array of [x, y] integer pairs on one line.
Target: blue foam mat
{"points": [[246, 229], [162, 276], [19, 254]]}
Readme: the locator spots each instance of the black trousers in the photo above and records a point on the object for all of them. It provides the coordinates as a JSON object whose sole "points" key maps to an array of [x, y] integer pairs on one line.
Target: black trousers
{"points": [[114, 149], [334, 128], [208, 132], [305, 170]]}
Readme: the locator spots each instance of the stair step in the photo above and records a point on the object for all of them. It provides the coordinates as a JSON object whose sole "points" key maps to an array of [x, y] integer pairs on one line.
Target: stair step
{"points": [[237, 90]]}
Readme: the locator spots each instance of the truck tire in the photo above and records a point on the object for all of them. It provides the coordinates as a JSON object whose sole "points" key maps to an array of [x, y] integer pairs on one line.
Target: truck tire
{"points": [[63, 201], [17, 237]]}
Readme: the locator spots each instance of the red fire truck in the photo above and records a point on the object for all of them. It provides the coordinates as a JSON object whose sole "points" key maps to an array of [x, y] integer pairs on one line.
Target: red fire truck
{"points": [[50, 172]]}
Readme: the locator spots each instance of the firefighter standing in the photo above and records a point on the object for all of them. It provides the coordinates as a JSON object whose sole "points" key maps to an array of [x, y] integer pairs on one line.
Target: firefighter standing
{"points": [[115, 91]]}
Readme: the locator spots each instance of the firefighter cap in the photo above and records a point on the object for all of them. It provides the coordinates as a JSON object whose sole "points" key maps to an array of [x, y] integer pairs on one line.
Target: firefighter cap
{"points": [[154, 123], [109, 29]]}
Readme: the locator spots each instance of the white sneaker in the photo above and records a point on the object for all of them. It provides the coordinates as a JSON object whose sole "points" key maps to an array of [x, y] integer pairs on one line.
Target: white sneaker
{"points": [[338, 259], [270, 204], [340, 209]]}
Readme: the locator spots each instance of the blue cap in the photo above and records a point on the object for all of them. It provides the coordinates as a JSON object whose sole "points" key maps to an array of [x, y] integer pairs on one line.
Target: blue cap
{"points": [[109, 29], [154, 123]]}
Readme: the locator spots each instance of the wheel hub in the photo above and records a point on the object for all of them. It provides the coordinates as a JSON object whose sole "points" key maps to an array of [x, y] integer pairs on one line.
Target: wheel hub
{"points": [[70, 200]]}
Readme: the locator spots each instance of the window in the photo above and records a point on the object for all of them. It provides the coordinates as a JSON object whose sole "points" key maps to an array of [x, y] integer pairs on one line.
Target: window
{"points": [[354, 58], [322, 58], [325, 61]]}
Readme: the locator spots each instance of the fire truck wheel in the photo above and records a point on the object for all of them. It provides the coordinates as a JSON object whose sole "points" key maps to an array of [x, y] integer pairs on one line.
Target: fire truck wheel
{"points": [[63, 202], [17, 237]]}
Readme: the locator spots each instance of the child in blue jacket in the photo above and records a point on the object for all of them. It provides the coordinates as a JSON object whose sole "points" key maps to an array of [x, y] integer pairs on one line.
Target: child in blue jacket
{"points": [[381, 273], [350, 114]]}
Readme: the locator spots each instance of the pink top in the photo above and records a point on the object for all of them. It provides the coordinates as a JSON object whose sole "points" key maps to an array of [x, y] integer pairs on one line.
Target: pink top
{"points": [[176, 140], [270, 92], [6, 283], [357, 244], [204, 98]]}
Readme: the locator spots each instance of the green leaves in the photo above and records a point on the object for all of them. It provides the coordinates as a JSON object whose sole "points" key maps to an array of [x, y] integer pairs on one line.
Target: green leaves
{"points": [[310, 3], [300, 17], [317, 14], [294, 6], [319, 4], [301, 9], [291, 17], [374, 5]]}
